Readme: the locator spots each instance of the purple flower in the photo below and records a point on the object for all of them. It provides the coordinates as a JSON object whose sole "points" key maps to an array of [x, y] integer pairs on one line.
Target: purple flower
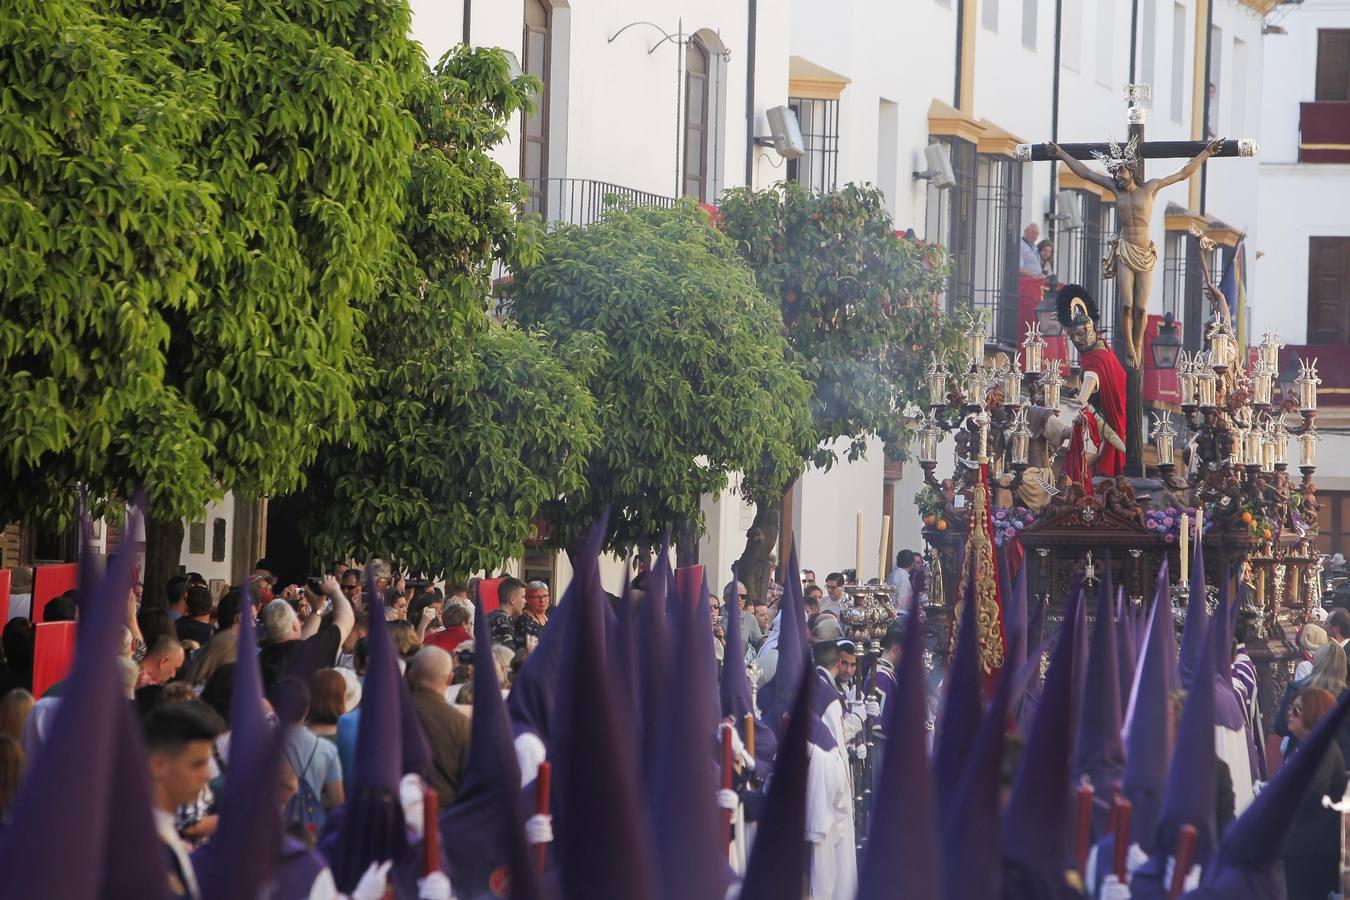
{"points": [[1010, 532], [1172, 510], [1168, 522], [1019, 525], [1000, 514], [1169, 538]]}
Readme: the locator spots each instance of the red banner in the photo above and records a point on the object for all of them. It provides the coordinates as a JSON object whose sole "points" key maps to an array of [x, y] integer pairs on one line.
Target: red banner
{"points": [[53, 653], [488, 593], [50, 582]]}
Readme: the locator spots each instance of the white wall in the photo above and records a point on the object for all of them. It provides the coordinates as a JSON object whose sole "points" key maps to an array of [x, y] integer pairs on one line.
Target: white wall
{"points": [[201, 562]]}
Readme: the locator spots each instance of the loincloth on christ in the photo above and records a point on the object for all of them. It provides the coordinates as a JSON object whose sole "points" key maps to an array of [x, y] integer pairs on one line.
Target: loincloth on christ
{"points": [[1136, 258]]}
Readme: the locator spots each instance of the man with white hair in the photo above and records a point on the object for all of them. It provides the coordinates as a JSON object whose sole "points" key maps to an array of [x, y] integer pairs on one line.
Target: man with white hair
{"points": [[446, 728], [328, 627]]}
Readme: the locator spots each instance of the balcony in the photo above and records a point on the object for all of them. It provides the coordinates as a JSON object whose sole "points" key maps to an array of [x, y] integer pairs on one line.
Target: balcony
{"points": [[581, 201], [1324, 132]]}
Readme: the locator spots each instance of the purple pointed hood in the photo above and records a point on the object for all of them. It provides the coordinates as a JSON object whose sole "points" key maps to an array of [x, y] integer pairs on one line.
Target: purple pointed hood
{"points": [[961, 706], [1099, 753], [1037, 822], [654, 660], [93, 762], [1194, 633], [1125, 650], [777, 695], [601, 845], [734, 684], [1192, 778], [483, 830], [240, 858], [1016, 617], [681, 804], [1247, 862], [1147, 735], [1025, 694], [971, 841], [778, 859], [531, 701], [903, 844], [370, 827], [1228, 710]]}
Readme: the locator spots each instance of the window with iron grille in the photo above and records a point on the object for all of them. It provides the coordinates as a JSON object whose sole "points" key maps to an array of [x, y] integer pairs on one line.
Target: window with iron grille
{"points": [[1079, 251], [950, 221], [1184, 286], [998, 218], [818, 168]]}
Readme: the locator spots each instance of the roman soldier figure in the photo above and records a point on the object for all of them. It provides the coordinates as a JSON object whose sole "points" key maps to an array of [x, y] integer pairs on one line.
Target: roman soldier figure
{"points": [[1095, 444]]}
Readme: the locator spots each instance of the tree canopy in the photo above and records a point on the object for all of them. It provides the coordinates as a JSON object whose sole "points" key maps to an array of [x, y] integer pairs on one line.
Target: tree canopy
{"points": [[194, 198], [692, 379], [859, 308], [466, 426]]}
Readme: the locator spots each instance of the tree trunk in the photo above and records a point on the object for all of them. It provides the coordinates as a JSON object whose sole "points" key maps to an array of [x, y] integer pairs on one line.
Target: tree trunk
{"points": [[752, 569], [686, 544], [163, 549]]}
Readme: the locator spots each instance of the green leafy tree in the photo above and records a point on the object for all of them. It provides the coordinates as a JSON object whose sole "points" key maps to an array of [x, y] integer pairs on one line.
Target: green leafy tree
{"points": [[467, 426], [194, 197], [692, 380], [860, 313]]}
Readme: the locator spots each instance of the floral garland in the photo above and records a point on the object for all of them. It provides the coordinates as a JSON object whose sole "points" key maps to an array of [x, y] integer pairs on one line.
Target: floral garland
{"points": [[1009, 523], [1166, 523]]}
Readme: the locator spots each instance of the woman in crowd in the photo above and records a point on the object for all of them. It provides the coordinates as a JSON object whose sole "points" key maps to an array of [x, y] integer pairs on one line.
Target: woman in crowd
{"points": [[328, 701], [1312, 848]]}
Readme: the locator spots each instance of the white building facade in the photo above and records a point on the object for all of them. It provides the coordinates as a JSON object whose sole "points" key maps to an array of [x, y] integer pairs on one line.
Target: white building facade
{"points": [[667, 99]]}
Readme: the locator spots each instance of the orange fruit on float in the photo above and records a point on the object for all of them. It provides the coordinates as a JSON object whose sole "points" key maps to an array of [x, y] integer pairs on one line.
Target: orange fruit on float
{"points": [[1266, 534], [929, 519], [942, 524], [1247, 518]]}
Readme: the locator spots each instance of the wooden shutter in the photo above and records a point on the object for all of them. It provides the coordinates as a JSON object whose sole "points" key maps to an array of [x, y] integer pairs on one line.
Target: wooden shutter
{"points": [[696, 120], [1329, 290], [534, 132], [1333, 64]]}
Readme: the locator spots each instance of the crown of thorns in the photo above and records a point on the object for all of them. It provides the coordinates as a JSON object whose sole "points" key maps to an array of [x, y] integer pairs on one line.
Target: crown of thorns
{"points": [[1118, 157]]}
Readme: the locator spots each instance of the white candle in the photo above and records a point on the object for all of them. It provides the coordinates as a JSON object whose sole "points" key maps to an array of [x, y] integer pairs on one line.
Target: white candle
{"points": [[885, 546], [1200, 524], [858, 550], [1185, 548]]}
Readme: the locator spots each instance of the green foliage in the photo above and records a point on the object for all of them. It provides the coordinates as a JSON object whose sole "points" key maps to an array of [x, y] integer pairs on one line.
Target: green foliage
{"points": [[858, 305], [692, 379], [467, 427], [192, 197]]}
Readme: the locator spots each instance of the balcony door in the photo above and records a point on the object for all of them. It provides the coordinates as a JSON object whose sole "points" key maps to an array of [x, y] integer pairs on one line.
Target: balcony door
{"points": [[1329, 290], [536, 43], [696, 63]]}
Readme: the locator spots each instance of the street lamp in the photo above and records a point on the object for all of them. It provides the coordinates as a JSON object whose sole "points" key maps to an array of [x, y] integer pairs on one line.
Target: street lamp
{"points": [[1167, 345]]}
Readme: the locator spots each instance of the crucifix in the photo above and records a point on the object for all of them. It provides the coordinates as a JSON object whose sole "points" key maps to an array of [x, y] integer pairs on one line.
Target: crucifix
{"points": [[1132, 256]]}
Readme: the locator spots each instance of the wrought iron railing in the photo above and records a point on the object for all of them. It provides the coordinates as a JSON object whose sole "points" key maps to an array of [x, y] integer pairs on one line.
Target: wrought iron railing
{"points": [[582, 201]]}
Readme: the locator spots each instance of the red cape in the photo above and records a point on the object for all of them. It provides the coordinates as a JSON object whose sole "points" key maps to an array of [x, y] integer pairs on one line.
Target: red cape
{"points": [[1109, 403]]}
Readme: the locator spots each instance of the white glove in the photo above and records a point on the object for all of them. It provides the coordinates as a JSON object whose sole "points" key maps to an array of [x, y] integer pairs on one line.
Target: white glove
{"points": [[1135, 858], [873, 707], [412, 797], [374, 883], [1112, 889], [860, 751], [1192, 877], [539, 829], [437, 887], [728, 799]]}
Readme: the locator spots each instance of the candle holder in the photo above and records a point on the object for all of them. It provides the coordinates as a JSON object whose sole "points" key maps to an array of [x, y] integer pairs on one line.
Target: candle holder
{"points": [[1308, 439], [1269, 351], [1281, 446], [974, 389], [1034, 347], [1020, 438], [1186, 375], [1306, 383], [1222, 345], [937, 383], [1051, 383], [1164, 437], [1011, 377], [1207, 383], [976, 337], [1262, 383], [1268, 449]]}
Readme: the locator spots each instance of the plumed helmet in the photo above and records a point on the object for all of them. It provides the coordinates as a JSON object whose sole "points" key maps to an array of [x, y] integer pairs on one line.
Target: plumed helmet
{"points": [[1074, 306]]}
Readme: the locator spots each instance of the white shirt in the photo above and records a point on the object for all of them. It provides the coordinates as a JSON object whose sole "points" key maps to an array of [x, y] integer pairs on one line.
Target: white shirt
{"points": [[1029, 259], [829, 826], [168, 834], [904, 589]]}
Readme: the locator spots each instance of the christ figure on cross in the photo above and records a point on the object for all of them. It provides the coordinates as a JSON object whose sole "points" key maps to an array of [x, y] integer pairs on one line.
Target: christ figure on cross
{"points": [[1132, 255]]}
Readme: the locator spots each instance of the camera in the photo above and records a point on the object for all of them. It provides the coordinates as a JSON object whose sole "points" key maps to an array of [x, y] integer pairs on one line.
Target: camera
{"points": [[314, 584]]}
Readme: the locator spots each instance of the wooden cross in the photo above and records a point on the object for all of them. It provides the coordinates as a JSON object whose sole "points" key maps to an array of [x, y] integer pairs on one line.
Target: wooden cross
{"points": [[1136, 305]]}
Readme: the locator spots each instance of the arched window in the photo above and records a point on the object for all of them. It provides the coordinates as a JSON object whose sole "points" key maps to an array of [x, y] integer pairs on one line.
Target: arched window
{"points": [[538, 38], [696, 120]]}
